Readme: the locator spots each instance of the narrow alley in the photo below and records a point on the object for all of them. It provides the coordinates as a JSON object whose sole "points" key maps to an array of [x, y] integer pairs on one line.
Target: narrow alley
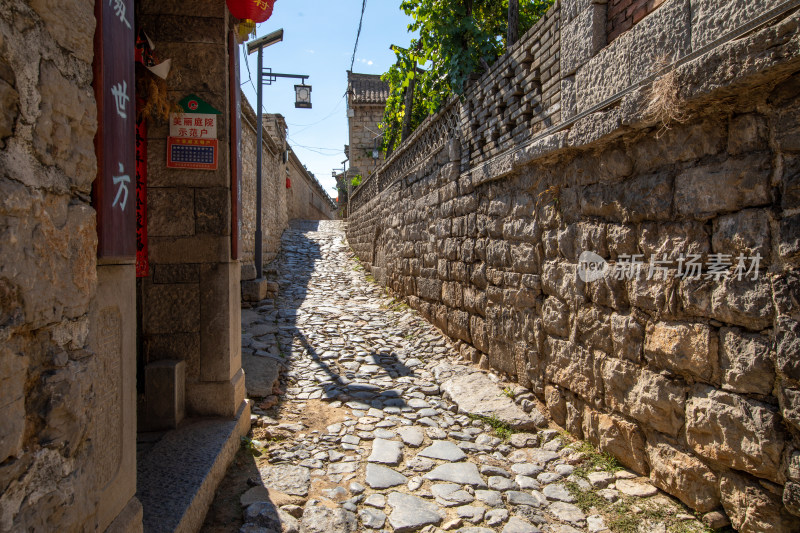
{"points": [[376, 424]]}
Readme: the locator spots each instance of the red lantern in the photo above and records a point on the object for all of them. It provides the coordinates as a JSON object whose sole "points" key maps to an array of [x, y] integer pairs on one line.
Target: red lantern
{"points": [[288, 183], [255, 10]]}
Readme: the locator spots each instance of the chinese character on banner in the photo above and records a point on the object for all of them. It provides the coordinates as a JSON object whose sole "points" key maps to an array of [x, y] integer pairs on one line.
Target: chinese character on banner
{"points": [[121, 98], [122, 181], [119, 10]]}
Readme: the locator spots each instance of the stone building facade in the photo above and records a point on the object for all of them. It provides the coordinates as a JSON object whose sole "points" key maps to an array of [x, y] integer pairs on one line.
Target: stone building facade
{"points": [[513, 217], [304, 198], [92, 342], [366, 98]]}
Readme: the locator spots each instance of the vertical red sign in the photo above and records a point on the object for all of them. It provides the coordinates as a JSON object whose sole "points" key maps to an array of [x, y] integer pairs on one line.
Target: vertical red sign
{"points": [[235, 147], [114, 192]]}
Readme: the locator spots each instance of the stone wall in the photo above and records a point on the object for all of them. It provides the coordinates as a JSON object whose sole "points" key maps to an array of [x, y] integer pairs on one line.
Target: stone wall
{"points": [[190, 302], [274, 212], [693, 382], [362, 127], [53, 410], [306, 198]]}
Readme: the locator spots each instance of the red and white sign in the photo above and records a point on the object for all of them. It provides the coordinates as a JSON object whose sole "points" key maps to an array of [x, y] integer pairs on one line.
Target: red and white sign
{"points": [[193, 125]]}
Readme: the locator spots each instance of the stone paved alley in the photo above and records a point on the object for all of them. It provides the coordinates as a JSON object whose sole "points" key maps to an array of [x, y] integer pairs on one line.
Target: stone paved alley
{"points": [[376, 424]]}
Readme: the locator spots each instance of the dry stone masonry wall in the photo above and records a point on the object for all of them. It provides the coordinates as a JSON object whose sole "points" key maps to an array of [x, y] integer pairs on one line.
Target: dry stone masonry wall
{"points": [[694, 382], [48, 275]]}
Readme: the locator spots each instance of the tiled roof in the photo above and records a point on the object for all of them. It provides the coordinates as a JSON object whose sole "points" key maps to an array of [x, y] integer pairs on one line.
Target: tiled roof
{"points": [[366, 88]]}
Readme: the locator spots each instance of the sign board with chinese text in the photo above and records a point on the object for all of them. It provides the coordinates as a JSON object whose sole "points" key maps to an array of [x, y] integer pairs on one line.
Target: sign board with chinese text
{"points": [[114, 189], [197, 154], [193, 125]]}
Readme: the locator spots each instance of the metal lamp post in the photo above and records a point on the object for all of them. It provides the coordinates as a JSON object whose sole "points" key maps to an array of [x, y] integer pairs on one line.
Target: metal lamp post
{"points": [[302, 100]]}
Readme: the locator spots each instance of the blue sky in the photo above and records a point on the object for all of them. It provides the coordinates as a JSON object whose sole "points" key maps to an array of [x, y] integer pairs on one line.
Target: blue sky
{"points": [[318, 41]]}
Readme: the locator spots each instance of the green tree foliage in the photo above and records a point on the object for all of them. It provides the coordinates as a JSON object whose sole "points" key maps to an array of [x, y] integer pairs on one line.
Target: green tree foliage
{"points": [[456, 39]]}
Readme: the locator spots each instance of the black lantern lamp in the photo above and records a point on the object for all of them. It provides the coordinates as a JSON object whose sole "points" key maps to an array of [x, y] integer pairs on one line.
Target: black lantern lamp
{"points": [[302, 94]]}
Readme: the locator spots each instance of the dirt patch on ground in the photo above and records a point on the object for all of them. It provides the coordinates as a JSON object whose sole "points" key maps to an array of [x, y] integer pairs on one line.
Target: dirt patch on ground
{"points": [[318, 415]]}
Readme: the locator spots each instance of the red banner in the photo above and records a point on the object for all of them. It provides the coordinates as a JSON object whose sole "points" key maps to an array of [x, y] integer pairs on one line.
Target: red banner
{"points": [[114, 87], [142, 263]]}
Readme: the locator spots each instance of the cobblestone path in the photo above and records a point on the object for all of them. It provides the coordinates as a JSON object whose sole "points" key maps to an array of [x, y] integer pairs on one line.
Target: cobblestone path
{"points": [[363, 439]]}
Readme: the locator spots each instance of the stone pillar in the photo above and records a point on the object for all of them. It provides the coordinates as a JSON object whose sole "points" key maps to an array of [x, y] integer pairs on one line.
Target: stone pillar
{"points": [[191, 300], [112, 337]]}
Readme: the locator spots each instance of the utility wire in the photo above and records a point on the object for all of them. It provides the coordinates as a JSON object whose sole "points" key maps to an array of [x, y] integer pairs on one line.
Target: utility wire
{"points": [[358, 34]]}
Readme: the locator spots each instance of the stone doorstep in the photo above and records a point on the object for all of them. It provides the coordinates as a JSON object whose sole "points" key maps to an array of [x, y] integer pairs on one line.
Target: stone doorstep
{"points": [[178, 477]]}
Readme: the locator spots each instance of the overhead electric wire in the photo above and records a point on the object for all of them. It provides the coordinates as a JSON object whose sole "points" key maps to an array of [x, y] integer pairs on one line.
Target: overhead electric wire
{"points": [[358, 34]]}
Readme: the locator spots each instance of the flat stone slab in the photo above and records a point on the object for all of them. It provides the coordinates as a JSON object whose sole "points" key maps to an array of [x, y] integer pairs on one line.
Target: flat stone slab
{"points": [[412, 436], [444, 450], [410, 513], [461, 473], [289, 479], [380, 477], [388, 452], [475, 394], [320, 519], [450, 494], [567, 512], [517, 525], [559, 492], [260, 374], [633, 488]]}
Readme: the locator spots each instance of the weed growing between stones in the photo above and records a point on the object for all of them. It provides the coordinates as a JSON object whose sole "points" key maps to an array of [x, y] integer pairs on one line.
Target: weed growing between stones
{"points": [[501, 429], [595, 460], [664, 103], [628, 515], [510, 393]]}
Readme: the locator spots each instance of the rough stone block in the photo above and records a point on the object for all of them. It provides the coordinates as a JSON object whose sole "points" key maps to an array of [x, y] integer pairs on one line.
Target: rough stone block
{"points": [[556, 317], [787, 357], [66, 125], [212, 211], [627, 336], [606, 74], [165, 394], [254, 290], [615, 435], [561, 279], [681, 142], [13, 375], [789, 244], [556, 405], [753, 506], [746, 362], [707, 190], [574, 368], [743, 302], [682, 474], [672, 239], [70, 24], [712, 19], [644, 395], [746, 232], [593, 329], [731, 430], [583, 37], [748, 133], [663, 36], [173, 308], [635, 200], [686, 349]]}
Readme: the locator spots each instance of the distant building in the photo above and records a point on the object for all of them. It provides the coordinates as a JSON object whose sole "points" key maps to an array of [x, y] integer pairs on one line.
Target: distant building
{"points": [[366, 100]]}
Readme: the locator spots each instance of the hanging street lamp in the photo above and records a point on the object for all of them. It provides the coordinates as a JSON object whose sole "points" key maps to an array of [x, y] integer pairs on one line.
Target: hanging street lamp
{"points": [[303, 100]]}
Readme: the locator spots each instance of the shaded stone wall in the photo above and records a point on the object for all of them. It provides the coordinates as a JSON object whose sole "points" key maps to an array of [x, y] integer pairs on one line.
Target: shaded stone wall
{"points": [[274, 214], [190, 301], [621, 15], [306, 199], [54, 464], [692, 382]]}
